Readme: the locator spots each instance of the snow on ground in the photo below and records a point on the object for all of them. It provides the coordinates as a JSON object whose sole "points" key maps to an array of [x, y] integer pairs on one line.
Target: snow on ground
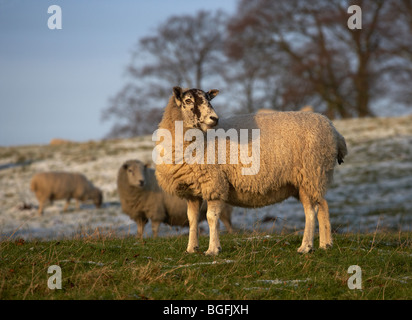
{"points": [[372, 189]]}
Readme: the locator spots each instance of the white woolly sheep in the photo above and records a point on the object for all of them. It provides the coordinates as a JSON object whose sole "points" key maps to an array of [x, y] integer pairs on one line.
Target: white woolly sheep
{"points": [[297, 153], [142, 199], [50, 186]]}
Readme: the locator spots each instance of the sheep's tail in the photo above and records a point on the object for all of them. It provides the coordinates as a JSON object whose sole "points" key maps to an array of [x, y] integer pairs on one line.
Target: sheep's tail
{"points": [[342, 149]]}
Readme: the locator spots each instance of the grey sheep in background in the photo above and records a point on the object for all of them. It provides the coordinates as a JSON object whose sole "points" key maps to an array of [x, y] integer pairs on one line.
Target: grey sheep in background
{"points": [[50, 186], [142, 199]]}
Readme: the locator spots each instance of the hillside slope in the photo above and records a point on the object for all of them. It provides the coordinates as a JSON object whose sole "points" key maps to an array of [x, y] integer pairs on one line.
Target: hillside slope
{"points": [[373, 188]]}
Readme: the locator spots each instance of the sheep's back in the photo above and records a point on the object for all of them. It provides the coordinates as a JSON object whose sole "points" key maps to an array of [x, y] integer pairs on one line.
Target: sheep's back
{"points": [[58, 184], [295, 148]]}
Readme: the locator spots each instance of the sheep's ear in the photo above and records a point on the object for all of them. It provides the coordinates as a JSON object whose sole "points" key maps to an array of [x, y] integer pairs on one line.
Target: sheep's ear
{"points": [[178, 93], [125, 166], [212, 93]]}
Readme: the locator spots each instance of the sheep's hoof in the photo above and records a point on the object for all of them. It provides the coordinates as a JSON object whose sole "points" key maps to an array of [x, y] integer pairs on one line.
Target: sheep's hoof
{"points": [[326, 246], [213, 252], [305, 249], [192, 250]]}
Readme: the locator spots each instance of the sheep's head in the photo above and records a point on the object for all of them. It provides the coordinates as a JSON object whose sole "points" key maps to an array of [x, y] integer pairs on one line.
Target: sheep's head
{"points": [[135, 173], [196, 109]]}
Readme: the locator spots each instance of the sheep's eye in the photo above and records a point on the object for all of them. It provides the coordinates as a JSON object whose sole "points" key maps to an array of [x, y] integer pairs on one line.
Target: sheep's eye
{"points": [[188, 101]]}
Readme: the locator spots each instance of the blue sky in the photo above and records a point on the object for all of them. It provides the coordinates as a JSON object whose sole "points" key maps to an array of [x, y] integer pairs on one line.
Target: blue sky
{"points": [[55, 83]]}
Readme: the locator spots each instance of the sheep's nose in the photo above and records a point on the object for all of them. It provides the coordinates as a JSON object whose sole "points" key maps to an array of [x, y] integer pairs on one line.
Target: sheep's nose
{"points": [[141, 183], [215, 120]]}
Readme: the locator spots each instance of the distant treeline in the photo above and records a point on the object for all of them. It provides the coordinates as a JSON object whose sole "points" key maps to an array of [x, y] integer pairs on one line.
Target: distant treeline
{"points": [[278, 55]]}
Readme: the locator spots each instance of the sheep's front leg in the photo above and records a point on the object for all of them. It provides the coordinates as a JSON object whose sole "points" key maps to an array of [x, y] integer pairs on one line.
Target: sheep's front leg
{"points": [[193, 212], [41, 208], [141, 223], [77, 204], [214, 209], [66, 205]]}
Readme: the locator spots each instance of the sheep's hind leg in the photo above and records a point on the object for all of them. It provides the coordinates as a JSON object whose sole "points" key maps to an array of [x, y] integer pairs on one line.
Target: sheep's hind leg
{"points": [[308, 235], [193, 213], [214, 209], [66, 205], [325, 233], [141, 223], [41, 208], [155, 228]]}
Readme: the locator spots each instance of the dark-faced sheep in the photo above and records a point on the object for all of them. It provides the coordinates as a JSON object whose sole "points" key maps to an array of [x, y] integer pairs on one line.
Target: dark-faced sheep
{"points": [[142, 199], [296, 153], [50, 186]]}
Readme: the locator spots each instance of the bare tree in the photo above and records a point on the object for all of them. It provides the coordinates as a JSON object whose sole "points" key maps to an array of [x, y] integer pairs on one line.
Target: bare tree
{"points": [[184, 50], [132, 111], [250, 69], [397, 31], [316, 58], [273, 54]]}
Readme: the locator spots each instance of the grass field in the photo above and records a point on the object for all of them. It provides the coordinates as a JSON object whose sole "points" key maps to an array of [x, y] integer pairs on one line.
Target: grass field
{"points": [[251, 266]]}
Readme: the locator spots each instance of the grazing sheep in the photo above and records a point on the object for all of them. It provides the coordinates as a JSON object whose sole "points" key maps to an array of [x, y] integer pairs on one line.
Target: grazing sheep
{"points": [[49, 186], [142, 199], [297, 153]]}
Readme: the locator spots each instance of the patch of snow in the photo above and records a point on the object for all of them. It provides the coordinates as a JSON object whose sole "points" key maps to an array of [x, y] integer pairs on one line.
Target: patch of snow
{"points": [[283, 282], [202, 263]]}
